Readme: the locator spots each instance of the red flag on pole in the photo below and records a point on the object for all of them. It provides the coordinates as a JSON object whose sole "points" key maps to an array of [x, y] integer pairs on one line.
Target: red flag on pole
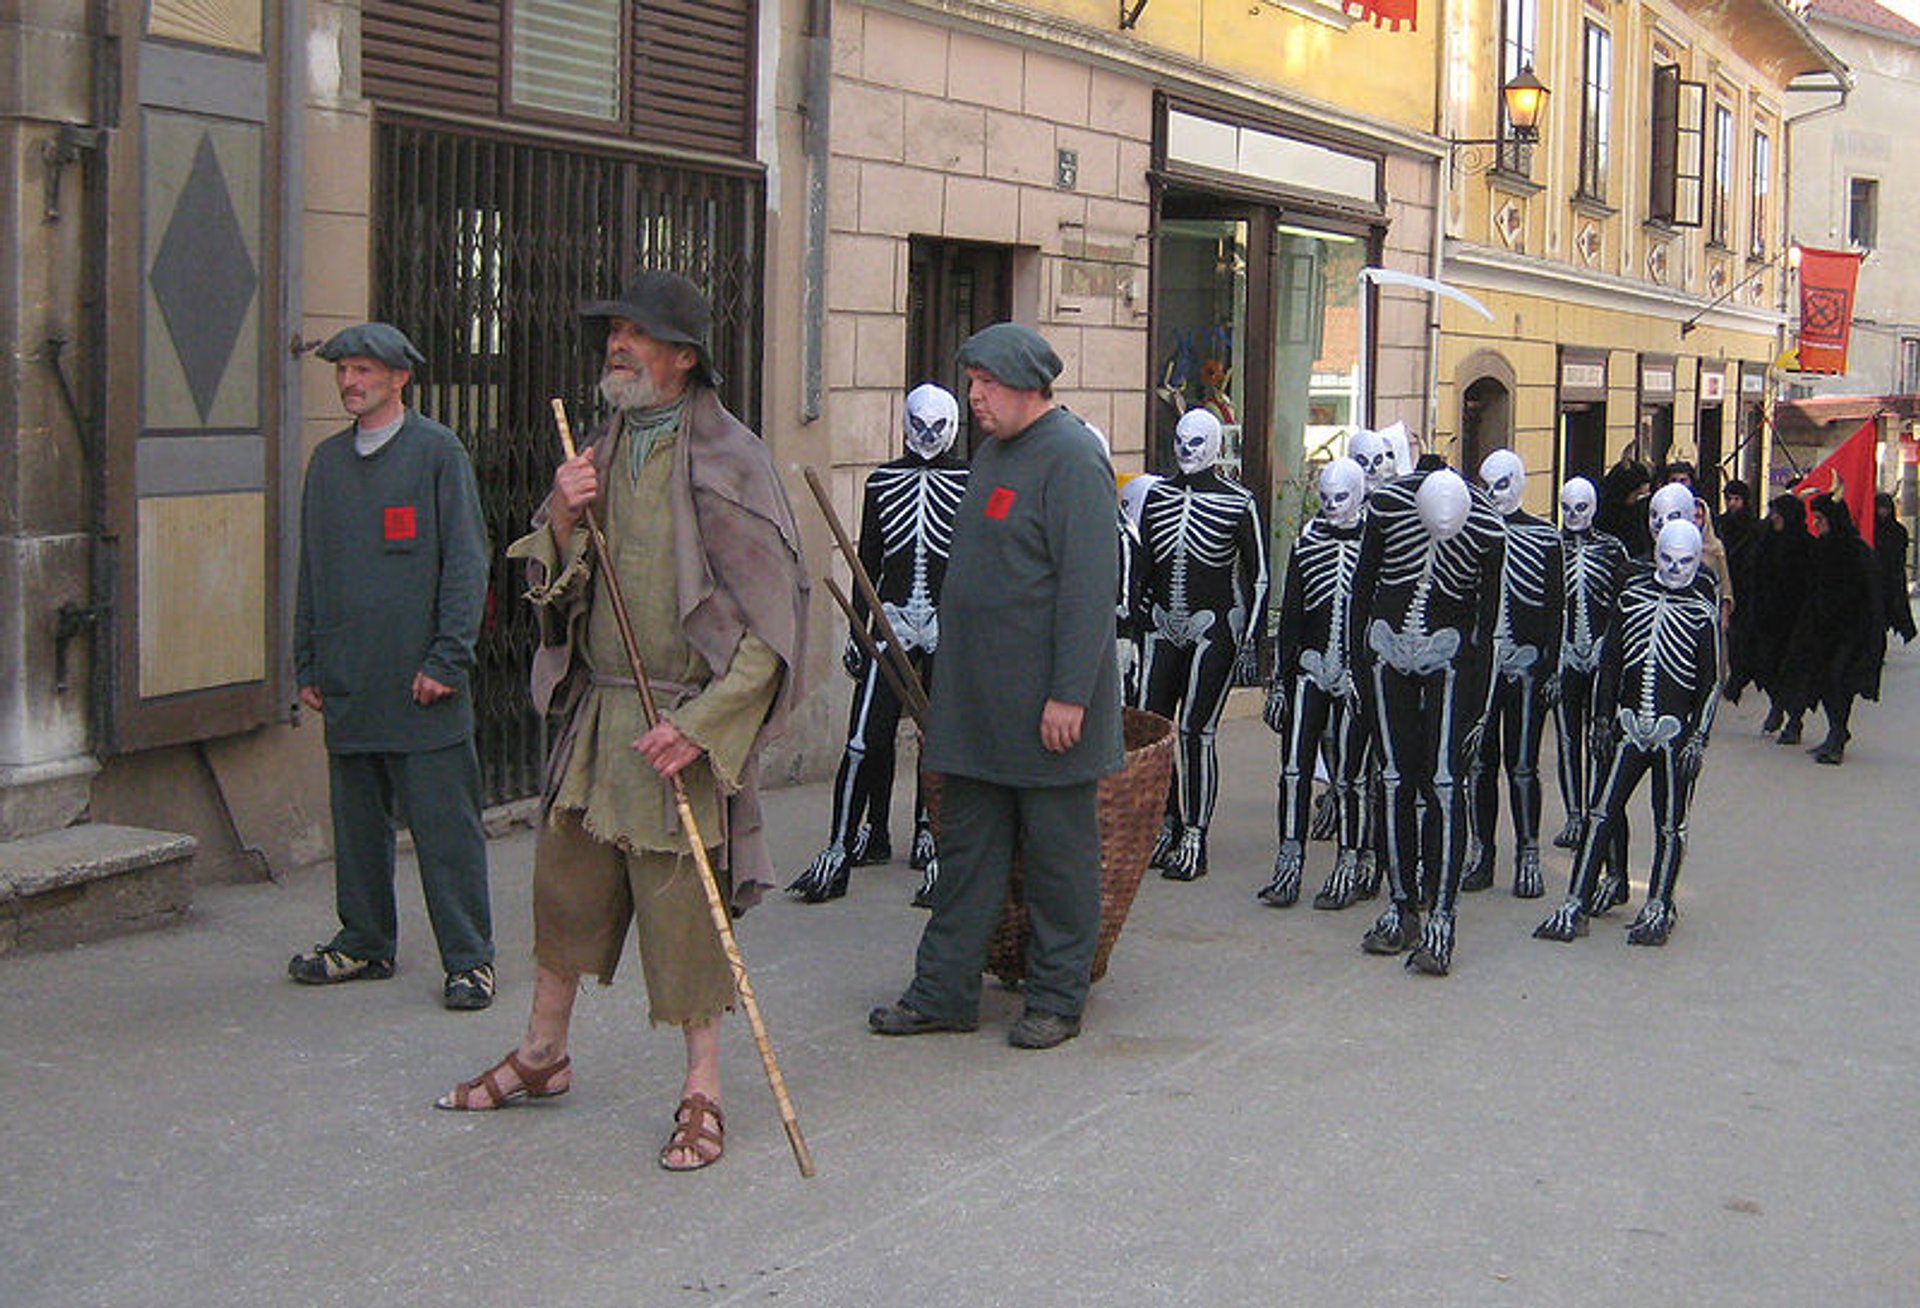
{"points": [[1827, 280], [1387, 13], [1849, 474]]}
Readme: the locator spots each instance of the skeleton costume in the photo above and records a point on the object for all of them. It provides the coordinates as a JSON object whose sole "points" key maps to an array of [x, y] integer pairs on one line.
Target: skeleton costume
{"points": [[1204, 591], [906, 530], [1596, 566], [1311, 698], [1526, 655], [1425, 598], [1653, 711]]}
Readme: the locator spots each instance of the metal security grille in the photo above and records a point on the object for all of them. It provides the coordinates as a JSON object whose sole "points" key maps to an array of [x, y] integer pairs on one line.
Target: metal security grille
{"points": [[484, 247]]}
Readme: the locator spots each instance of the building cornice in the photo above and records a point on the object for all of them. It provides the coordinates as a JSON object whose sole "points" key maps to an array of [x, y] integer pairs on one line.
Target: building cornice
{"points": [[1476, 267], [1169, 71]]}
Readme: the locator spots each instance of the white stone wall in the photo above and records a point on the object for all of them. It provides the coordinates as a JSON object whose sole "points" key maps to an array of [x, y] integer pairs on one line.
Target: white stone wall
{"points": [[949, 133]]}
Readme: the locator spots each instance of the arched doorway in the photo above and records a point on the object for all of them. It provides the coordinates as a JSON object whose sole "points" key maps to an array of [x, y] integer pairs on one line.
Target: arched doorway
{"points": [[1486, 421]]}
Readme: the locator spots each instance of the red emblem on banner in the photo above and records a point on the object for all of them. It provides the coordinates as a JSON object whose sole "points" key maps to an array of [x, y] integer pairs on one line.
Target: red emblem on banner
{"points": [[398, 522], [999, 503], [1385, 13], [1827, 279]]}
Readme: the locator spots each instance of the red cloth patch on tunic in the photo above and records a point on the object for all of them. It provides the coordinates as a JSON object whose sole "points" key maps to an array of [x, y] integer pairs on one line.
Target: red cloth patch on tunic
{"points": [[999, 503], [398, 522]]}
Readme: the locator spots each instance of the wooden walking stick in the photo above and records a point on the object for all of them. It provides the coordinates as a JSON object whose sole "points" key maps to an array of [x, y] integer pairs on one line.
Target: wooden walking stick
{"points": [[863, 584], [867, 646], [716, 907]]}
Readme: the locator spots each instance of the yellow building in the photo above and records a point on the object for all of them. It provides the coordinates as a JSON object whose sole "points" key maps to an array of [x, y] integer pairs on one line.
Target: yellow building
{"points": [[1634, 258]]}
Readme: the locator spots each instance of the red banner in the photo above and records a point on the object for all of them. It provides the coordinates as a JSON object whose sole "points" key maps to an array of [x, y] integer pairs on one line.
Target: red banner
{"points": [[1827, 280], [1385, 13], [1849, 474]]}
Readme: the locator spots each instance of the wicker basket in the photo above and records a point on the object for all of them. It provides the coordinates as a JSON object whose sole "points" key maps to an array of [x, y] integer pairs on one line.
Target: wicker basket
{"points": [[1132, 803]]}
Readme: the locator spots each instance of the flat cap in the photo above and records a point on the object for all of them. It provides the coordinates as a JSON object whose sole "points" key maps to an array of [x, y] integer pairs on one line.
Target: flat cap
{"points": [[373, 340], [667, 307], [1016, 356]]}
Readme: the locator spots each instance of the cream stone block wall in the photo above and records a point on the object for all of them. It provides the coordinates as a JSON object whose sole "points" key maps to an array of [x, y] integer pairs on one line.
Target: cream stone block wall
{"points": [[948, 133]]}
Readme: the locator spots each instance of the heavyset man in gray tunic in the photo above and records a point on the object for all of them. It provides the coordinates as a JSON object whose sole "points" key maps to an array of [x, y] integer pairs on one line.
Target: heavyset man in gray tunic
{"points": [[1025, 704]]}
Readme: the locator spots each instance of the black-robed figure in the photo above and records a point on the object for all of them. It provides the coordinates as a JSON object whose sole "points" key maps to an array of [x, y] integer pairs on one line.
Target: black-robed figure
{"points": [[1653, 713], [1426, 594], [1526, 659], [1596, 567], [1311, 698], [1840, 641], [906, 531], [1203, 596]]}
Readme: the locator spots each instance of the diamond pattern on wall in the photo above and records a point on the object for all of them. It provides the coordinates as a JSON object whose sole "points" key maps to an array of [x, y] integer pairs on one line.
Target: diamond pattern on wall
{"points": [[203, 278]]}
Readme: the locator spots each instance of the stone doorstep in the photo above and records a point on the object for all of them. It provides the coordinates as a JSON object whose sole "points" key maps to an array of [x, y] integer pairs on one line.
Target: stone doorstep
{"points": [[91, 880]]}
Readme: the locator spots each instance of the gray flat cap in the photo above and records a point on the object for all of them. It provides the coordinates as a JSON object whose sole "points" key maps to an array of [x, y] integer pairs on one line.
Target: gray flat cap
{"points": [[373, 340], [1016, 356], [667, 307]]}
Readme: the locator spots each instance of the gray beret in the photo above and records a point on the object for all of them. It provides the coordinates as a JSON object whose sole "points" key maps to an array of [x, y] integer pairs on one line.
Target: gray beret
{"points": [[373, 340], [1016, 356]]}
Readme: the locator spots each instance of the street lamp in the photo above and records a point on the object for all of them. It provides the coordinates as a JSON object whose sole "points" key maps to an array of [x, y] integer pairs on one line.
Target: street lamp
{"points": [[1526, 100], [1792, 256]]}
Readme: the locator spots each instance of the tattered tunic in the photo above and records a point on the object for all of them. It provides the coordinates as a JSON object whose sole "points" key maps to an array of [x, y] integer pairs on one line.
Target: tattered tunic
{"points": [[621, 798]]}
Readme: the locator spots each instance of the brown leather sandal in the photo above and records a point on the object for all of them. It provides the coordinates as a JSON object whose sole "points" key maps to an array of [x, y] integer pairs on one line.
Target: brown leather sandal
{"points": [[691, 1133], [535, 1083]]}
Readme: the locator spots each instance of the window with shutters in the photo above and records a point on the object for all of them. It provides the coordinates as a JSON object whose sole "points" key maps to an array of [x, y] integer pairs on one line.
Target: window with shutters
{"points": [[566, 57], [1677, 165], [673, 73]]}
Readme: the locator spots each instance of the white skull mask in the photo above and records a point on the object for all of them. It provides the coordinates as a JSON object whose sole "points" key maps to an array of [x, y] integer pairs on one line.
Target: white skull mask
{"points": [[1366, 448], [932, 421], [1676, 555], [1506, 479], [1443, 502], [1401, 446], [1578, 500], [1343, 492], [1196, 441], [1671, 503]]}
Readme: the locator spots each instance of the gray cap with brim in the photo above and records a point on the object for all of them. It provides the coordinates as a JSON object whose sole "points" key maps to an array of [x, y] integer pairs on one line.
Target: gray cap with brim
{"points": [[373, 340], [1016, 356]]}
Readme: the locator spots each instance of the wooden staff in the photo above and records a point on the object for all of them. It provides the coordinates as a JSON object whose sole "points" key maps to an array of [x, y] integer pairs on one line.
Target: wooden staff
{"points": [[865, 640], [716, 907], [864, 585]]}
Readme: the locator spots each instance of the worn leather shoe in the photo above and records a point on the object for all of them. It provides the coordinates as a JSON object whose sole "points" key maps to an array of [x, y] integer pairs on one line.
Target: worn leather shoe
{"points": [[900, 1019], [1039, 1029]]}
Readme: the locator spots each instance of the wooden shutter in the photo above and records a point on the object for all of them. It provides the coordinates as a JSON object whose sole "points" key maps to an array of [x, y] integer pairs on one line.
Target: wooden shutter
{"points": [[439, 54], [693, 75]]}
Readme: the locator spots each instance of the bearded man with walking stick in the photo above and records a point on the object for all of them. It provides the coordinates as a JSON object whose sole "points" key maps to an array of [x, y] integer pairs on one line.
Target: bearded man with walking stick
{"points": [[708, 579]]}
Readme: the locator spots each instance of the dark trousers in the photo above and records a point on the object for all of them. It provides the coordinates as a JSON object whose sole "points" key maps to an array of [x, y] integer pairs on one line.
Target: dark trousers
{"points": [[438, 794], [1057, 831]]}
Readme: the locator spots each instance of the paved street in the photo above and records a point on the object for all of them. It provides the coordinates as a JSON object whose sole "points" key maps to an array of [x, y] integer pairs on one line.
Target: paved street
{"points": [[1257, 1113]]}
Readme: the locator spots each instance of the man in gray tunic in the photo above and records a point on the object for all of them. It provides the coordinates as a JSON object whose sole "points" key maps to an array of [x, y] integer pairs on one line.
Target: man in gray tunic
{"points": [[1025, 706], [393, 579]]}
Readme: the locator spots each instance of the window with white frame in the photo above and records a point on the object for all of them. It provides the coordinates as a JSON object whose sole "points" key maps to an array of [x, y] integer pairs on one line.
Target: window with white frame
{"points": [[1677, 158], [1596, 112], [1761, 218], [1863, 211], [1519, 40], [1720, 179]]}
